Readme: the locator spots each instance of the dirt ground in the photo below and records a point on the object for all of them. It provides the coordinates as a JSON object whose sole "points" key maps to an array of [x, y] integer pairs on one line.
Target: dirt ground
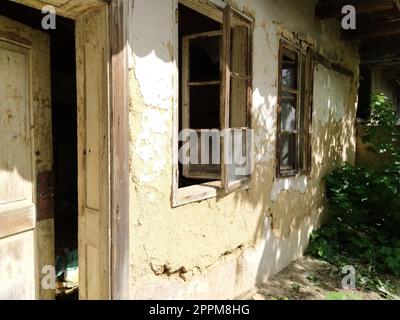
{"points": [[310, 279]]}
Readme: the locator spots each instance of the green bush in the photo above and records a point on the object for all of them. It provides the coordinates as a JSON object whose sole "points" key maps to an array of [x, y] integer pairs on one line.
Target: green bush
{"points": [[364, 203]]}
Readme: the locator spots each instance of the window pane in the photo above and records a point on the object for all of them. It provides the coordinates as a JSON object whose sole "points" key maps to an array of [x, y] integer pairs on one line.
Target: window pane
{"points": [[303, 119], [289, 69], [302, 151], [205, 59], [288, 111], [238, 103], [240, 50], [204, 155], [239, 162], [288, 152], [204, 107]]}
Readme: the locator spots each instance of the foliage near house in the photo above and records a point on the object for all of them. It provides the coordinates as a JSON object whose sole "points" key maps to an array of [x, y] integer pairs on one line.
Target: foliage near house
{"points": [[364, 206]]}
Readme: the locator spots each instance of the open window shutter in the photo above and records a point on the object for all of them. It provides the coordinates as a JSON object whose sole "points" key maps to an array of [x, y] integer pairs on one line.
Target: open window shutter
{"points": [[204, 137], [305, 113], [236, 96], [309, 97], [302, 117]]}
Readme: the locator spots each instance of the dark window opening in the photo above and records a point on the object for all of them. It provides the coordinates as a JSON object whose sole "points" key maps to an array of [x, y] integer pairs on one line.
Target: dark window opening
{"points": [[215, 96], [200, 40]]}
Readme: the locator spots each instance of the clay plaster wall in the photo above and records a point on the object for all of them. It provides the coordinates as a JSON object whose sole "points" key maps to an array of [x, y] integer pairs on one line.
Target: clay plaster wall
{"points": [[219, 248]]}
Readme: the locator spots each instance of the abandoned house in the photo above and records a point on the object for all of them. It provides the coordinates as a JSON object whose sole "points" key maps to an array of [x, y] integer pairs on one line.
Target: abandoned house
{"points": [[92, 189]]}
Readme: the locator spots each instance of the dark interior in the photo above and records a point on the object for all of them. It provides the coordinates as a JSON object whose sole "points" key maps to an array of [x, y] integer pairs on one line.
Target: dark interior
{"points": [[364, 93], [64, 124], [204, 63], [205, 66]]}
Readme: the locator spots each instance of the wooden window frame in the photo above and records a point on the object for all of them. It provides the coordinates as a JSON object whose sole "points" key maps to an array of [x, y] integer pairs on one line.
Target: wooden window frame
{"points": [[220, 12], [187, 84], [227, 76], [304, 102], [119, 155]]}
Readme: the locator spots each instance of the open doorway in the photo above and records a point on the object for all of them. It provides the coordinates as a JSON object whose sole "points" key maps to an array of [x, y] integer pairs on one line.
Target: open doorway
{"points": [[57, 190], [97, 118], [65, 163]]}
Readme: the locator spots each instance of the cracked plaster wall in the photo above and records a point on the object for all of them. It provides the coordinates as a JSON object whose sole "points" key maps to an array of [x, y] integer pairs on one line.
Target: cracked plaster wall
{"points": [[268, 225]]}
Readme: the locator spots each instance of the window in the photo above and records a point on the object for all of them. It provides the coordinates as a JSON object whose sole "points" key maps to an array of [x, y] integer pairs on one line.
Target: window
{"points": [[215, 90], [294, 111]]}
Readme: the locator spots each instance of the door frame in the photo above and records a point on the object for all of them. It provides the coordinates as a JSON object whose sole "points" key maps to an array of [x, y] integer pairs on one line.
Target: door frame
{"points": [[117, 123], [119, 149]]}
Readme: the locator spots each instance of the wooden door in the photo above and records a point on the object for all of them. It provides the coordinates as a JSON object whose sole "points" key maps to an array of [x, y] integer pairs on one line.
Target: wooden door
{"points": [[25, 153], [93, 154]]}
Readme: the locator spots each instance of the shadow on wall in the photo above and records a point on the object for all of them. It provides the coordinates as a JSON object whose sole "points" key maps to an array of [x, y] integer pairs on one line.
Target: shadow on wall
{"points": [[287, 209], [293, 207]]}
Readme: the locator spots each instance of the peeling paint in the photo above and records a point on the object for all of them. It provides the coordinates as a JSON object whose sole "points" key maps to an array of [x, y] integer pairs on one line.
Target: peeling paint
{"points": [[21, 280], [194, 238], [288, 184]]}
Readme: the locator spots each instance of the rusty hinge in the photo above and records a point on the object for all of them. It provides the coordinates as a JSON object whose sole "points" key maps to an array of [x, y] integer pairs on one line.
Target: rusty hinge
{"points": [[176, 15], [45, 196]]}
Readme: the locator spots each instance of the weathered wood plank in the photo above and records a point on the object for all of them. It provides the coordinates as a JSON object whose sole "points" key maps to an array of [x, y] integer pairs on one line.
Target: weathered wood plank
{"points": [[17, 221], [373, 30], [333, 9], [93, 57], [70, 9], [119, 156], [327, 63]]}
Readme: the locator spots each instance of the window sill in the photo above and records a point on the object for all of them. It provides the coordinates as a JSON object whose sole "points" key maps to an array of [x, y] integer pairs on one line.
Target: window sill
{"points": [[196, 193], [293, 175]]}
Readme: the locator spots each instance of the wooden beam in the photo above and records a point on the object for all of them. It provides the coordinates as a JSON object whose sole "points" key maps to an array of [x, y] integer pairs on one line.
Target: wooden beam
{"points": [[385, 44], [17, 221], [380, 49], [389, 61], [119, 150], [392, 72], [381, 55], [333, 65], [72, 9], [373, 30], [330, 9]]}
